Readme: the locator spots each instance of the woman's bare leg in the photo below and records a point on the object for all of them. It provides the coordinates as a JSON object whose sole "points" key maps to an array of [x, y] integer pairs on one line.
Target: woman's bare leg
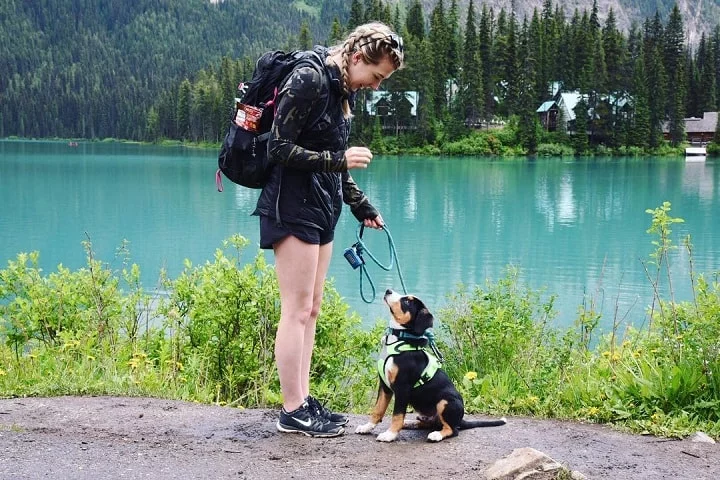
{"points": [[296, 265], [322, 267]]}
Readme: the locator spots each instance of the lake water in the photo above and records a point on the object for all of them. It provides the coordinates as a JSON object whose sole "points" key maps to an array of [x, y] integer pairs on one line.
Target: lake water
{"points": [[575, 227]]}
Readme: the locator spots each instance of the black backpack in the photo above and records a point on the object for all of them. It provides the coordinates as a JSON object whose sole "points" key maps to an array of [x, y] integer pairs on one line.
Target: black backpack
{"points": [[243, 157]]}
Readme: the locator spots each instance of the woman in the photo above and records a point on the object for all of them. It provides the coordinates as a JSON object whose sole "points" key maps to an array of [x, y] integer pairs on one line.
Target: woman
{"points": [[301, 203]]}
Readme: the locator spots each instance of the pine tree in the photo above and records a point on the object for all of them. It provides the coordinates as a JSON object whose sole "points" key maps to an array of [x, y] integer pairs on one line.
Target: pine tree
{"points": [[305, 41], [580, 139], [716, 64], [536, 46], [706, 90], [472, 95], [357, 15], [337, 34], [675, 65], [614, 49], [438, 40], [640, 130], [183, 110], [485, 39], [415, 22], [656, 77], [453, 40], [528, 126]]}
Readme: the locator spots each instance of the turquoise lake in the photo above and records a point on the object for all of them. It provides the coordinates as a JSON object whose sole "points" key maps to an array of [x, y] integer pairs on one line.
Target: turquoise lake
{"points": [[574, 227]]}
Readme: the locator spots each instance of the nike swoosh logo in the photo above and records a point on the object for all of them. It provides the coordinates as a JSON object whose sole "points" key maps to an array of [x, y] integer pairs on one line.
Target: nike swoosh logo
{"points": [[305, 423]]}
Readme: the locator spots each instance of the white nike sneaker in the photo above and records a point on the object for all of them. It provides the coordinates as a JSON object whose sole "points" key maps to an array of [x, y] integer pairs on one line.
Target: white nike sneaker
{"points": [[305, 420]]}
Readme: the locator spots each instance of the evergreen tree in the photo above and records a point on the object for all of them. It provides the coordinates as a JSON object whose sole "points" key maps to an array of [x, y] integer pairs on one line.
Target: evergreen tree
{"points": [[706, 89], [438, 39], [357, 15], [656, 77], [536, 46], [510, 68], [640, 130], [472, 76], [528, 125], [675, 65], [614, 50], [415, 21], [580, 139], [546, 72], [305, 41], [183, 110], [485, 39], [716, 64], [337, 34], [453, 41]]}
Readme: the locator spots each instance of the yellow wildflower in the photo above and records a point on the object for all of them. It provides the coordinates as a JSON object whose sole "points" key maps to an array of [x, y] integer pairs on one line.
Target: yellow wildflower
{"points": [[471, 375], [2, 372]]}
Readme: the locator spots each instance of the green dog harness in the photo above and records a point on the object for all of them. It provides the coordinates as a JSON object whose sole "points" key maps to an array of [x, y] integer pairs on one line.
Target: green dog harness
{"points": [[392, 346]]}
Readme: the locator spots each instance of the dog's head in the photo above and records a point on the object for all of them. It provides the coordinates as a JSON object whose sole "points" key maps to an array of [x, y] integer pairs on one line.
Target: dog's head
{"points": [[408, 312]]}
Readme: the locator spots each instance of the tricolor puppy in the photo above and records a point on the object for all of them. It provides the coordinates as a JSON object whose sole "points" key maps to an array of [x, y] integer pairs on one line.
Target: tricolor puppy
{"points": [[408, 368]]}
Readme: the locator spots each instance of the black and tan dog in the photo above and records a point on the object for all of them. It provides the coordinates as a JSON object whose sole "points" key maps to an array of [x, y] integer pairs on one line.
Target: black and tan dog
{"points": [[408, 368]]}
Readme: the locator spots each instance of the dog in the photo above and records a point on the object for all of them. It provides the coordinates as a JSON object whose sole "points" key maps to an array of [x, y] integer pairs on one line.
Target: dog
{"points": [[412, 373]]}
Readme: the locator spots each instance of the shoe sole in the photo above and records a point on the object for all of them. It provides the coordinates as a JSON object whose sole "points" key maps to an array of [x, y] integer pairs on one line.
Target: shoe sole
{"points": [[289, 429]]}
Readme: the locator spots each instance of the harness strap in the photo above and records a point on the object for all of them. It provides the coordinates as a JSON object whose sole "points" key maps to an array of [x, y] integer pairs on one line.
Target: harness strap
{"points": [[395, 348]]}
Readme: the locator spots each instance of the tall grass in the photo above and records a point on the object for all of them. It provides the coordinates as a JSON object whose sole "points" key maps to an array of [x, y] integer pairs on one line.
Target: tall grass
{"points": [[211, 340]]}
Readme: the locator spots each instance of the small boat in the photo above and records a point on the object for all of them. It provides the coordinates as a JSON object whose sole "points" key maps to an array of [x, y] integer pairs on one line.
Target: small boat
{"points": [[72, 144], [695, 154]]}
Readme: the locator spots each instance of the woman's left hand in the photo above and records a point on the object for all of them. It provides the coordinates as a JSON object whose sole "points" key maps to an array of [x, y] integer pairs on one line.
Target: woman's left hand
{"points": [[376, 222]]}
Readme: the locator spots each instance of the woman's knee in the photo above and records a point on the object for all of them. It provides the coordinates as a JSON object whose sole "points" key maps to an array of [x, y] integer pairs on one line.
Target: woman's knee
{"points": [[298, 314]]}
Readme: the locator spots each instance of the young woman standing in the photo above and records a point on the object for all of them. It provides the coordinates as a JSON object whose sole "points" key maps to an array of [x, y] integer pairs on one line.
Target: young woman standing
{"points": [[301, 203]]}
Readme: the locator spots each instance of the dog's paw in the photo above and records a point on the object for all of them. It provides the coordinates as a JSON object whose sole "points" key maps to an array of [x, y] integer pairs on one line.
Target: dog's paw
{"points": [[386, 436], [435, 437], [367, 428]]}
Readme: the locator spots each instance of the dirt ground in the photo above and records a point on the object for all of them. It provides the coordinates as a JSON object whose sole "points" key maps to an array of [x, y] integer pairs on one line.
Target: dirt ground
{"points": [[117, 437]]}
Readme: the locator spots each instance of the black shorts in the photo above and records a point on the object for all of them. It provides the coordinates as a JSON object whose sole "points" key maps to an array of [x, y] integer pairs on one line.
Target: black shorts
{"points": [[271, 233]]}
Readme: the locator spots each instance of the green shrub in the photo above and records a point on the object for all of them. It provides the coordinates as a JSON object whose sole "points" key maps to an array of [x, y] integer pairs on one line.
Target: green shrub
{"points": [[554, 150]]}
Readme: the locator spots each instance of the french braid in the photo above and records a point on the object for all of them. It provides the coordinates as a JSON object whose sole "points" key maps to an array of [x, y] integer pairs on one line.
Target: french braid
{"points": [[372, 40]]}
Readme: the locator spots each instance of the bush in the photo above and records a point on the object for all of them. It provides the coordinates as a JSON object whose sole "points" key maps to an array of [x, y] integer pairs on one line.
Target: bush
{"points": [[554, 150], [211, 340]]}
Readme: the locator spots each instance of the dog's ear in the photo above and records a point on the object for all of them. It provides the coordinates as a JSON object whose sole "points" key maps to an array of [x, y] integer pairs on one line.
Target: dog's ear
{"points": [[423, 320]]}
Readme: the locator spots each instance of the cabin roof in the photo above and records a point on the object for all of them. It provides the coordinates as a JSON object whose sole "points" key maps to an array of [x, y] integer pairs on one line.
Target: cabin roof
{"points": [[545, 106], [702, 125]]}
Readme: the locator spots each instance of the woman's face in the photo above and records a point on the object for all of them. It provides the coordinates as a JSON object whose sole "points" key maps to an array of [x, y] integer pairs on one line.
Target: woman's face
{"points": [[367, 75]]}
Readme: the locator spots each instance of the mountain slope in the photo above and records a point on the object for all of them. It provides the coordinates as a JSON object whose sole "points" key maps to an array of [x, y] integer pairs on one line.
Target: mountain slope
{"points": [[699, 16]]}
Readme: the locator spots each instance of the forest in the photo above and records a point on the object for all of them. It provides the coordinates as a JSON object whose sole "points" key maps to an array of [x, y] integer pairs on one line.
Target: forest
{"points": [[155, 77]]}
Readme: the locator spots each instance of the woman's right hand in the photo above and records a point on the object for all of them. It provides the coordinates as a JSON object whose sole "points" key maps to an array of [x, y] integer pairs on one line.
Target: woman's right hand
{"points": [[358, 157]]}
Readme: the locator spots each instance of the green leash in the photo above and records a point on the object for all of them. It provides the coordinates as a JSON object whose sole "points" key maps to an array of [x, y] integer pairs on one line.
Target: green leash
{"points": [[354, 256]]}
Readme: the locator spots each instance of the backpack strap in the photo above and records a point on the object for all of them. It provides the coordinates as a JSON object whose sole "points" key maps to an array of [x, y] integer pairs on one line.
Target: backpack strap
{"points": [[324, 75]]}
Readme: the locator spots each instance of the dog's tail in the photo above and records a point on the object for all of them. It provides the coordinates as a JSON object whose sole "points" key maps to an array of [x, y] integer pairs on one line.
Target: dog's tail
{"points": [[465, 424]]}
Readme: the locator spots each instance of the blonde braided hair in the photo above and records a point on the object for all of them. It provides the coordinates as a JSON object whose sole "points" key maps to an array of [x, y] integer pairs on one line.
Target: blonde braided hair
{"points": [[373, 41]]}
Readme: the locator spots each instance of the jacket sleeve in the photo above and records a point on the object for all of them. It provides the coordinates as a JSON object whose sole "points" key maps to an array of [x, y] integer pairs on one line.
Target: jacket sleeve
{"points": [[359, 204], [300, 93]]}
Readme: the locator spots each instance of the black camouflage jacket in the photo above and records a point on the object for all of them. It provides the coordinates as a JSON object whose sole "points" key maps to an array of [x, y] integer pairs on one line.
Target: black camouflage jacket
{"points": [[310, 180]]}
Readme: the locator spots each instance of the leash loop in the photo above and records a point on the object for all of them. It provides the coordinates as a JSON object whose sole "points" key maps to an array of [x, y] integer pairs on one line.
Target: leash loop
{"points": [[361, 248]]}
